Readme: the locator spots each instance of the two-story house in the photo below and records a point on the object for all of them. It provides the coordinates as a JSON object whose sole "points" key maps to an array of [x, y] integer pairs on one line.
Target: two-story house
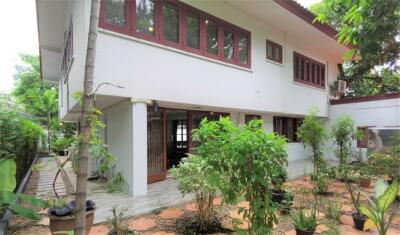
{"points": [[181, 61]]}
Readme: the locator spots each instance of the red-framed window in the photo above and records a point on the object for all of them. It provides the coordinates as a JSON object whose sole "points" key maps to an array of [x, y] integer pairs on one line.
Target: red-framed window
{"points": [[178, 25], [68, 50], [308, 71], [287, 127], [363, 142], [274, 51]]}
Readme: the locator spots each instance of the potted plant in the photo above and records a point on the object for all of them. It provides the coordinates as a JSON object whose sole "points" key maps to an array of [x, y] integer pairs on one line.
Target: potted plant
{"points": [[62, 217], [358, 217], [279, 177], [376, 212], [365, 176], [60, 144], [304, 223], [286, 203]]}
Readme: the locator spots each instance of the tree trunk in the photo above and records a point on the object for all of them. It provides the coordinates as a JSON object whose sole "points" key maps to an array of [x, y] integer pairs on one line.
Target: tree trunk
{"points": [[81, 190]]}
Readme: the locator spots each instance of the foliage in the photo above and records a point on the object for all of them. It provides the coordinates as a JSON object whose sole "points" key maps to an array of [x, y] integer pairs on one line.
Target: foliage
{"points": [[304, 221], [343, 132], [62, 143], [244, 160], [385, 164], [312, 133], [354, 190], [371, 25], [115, 222], [9, 199], [279, 177], [191, 175], [115, 184], [384, 197], [321, 183], [334, 210]]}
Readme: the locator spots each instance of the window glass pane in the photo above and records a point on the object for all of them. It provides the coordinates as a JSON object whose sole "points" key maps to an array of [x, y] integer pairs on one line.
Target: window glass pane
{"points": [[171, 25], [192, 30], [145, 16], [228, 44], [212, 37], [277, 54], [269, 51], [243, 48], [115, 12]]}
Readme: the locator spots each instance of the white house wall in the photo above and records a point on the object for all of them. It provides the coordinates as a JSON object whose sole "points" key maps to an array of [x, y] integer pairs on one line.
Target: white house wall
{"points": [[160, 73]]}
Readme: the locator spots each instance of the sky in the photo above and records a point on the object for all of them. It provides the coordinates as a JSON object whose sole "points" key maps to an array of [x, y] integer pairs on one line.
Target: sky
{"points": [[18, 24]]}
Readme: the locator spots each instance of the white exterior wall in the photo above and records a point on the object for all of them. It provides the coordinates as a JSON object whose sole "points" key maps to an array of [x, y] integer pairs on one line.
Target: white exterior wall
{"points": [[161, 73], [378, 113], [79, 12], [119, 138]]}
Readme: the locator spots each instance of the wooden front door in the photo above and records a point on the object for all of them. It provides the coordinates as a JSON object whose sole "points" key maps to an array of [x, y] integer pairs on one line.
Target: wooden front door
{"points": [[156, 146]]}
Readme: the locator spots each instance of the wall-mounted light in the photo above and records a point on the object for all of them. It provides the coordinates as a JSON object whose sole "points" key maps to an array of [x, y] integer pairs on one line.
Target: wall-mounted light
{"points": [[151, 29], [155, 105]]}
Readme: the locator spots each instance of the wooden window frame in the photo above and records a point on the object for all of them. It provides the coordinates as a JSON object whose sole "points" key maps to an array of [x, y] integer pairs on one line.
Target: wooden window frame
{"points": [[308, 71], [273, 45], [296, 124], [68, 51], [130, 29]]}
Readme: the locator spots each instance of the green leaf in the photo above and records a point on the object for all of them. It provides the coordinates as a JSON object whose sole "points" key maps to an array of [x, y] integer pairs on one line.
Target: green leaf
{"points": [[368, 212], [7, 175], [33, 201], [349, 54], [388, 197], [25, 212], [380, 188], [7, 198]]}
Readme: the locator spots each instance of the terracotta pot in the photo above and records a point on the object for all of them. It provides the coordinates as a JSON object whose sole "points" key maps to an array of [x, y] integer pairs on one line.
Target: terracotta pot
{"points": [[299, 232], [66, 223], [359, 221], [365, 182]]}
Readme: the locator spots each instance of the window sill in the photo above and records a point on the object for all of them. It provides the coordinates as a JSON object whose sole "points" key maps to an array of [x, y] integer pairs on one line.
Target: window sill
{"points": [[274, 62], [309, 86], [105, 31]]}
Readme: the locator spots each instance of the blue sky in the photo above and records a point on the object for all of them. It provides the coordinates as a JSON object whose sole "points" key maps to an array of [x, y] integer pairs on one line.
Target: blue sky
{"points": [[18, 23]]}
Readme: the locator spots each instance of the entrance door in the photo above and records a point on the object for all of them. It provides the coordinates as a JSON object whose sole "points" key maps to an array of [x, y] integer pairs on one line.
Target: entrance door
{"points": [[156, 146]]}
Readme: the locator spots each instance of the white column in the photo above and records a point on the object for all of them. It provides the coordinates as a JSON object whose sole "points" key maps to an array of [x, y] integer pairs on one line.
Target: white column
{"points": [[139, 145]]}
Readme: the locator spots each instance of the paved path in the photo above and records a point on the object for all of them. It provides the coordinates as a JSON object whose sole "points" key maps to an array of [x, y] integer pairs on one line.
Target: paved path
{"points": [[47, 173]]}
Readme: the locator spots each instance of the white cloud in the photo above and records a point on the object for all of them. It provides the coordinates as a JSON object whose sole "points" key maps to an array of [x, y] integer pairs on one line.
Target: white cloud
{"points": [[18, 24]]}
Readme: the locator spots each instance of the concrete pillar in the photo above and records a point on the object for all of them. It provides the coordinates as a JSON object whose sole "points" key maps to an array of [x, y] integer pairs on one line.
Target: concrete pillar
{"points": [[139, 145]]}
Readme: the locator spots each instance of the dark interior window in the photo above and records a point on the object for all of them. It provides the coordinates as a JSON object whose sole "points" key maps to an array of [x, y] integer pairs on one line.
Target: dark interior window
{"points": [[274, 51], [145, 17], [115, 12], [171, 22], [287, 127], [308, 71]]}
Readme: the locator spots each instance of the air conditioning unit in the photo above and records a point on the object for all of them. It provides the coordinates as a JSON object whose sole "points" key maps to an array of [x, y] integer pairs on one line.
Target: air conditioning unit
{"points": [[339, 87]]}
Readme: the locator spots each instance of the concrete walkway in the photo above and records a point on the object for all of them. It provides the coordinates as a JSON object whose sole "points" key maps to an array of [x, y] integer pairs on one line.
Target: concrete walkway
{"points": [[47, 173]]}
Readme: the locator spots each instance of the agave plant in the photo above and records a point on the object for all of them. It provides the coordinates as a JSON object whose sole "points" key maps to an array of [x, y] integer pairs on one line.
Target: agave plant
{"points": [[376, 212], [9, 199]]}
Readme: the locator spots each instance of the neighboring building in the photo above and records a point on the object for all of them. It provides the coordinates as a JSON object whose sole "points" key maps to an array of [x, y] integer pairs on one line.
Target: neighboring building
{"points": [[180, 61]]}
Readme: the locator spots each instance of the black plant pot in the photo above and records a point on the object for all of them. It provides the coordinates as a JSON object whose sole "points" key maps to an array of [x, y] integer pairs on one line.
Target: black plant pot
{"points": [[61, 153], [398, 198], [278, 196], [359, 220], [299, 232]]}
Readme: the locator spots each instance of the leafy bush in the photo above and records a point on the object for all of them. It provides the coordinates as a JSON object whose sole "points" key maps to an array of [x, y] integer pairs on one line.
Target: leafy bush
{"points": [[62, 143], [384, 164], [343, 132], [313, 134], [244, 159], [191, 175], [334, 211], [115, 184]]}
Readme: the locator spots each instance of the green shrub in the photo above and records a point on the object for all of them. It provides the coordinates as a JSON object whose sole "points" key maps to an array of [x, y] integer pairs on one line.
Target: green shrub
{"points": [[303, 221], [343, 132], [191, 175], [115, 184], [62, 143], [244, 160], [384, 164]]}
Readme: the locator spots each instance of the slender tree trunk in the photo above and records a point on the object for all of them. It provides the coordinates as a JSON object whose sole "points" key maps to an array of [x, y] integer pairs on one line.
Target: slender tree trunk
{"points": [[81, 190]]}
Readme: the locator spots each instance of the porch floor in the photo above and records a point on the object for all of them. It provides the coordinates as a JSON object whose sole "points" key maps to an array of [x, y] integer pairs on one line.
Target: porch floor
{"points": [[160, 194]]}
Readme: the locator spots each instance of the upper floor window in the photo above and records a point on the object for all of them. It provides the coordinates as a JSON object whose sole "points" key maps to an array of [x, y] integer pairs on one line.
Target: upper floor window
{"points": [[67, 50], [274, 51], [287, 127], [308, 71], [178, 25]]}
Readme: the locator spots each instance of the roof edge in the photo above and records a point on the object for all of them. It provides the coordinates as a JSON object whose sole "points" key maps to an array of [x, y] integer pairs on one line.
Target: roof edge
{"points": [[395, 95], [306, 15]]}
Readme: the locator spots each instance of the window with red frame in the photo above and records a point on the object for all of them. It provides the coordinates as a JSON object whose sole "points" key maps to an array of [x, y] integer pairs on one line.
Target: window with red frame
{"points": [[67, 50], [287, 127], [178, 25], [274, 51], [308, 71], [363, 142]]}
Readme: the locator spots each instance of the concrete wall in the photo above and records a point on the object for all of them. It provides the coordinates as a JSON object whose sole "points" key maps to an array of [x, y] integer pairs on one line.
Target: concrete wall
{"points": [[151, 71], [378, 113], [119, 138]]}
